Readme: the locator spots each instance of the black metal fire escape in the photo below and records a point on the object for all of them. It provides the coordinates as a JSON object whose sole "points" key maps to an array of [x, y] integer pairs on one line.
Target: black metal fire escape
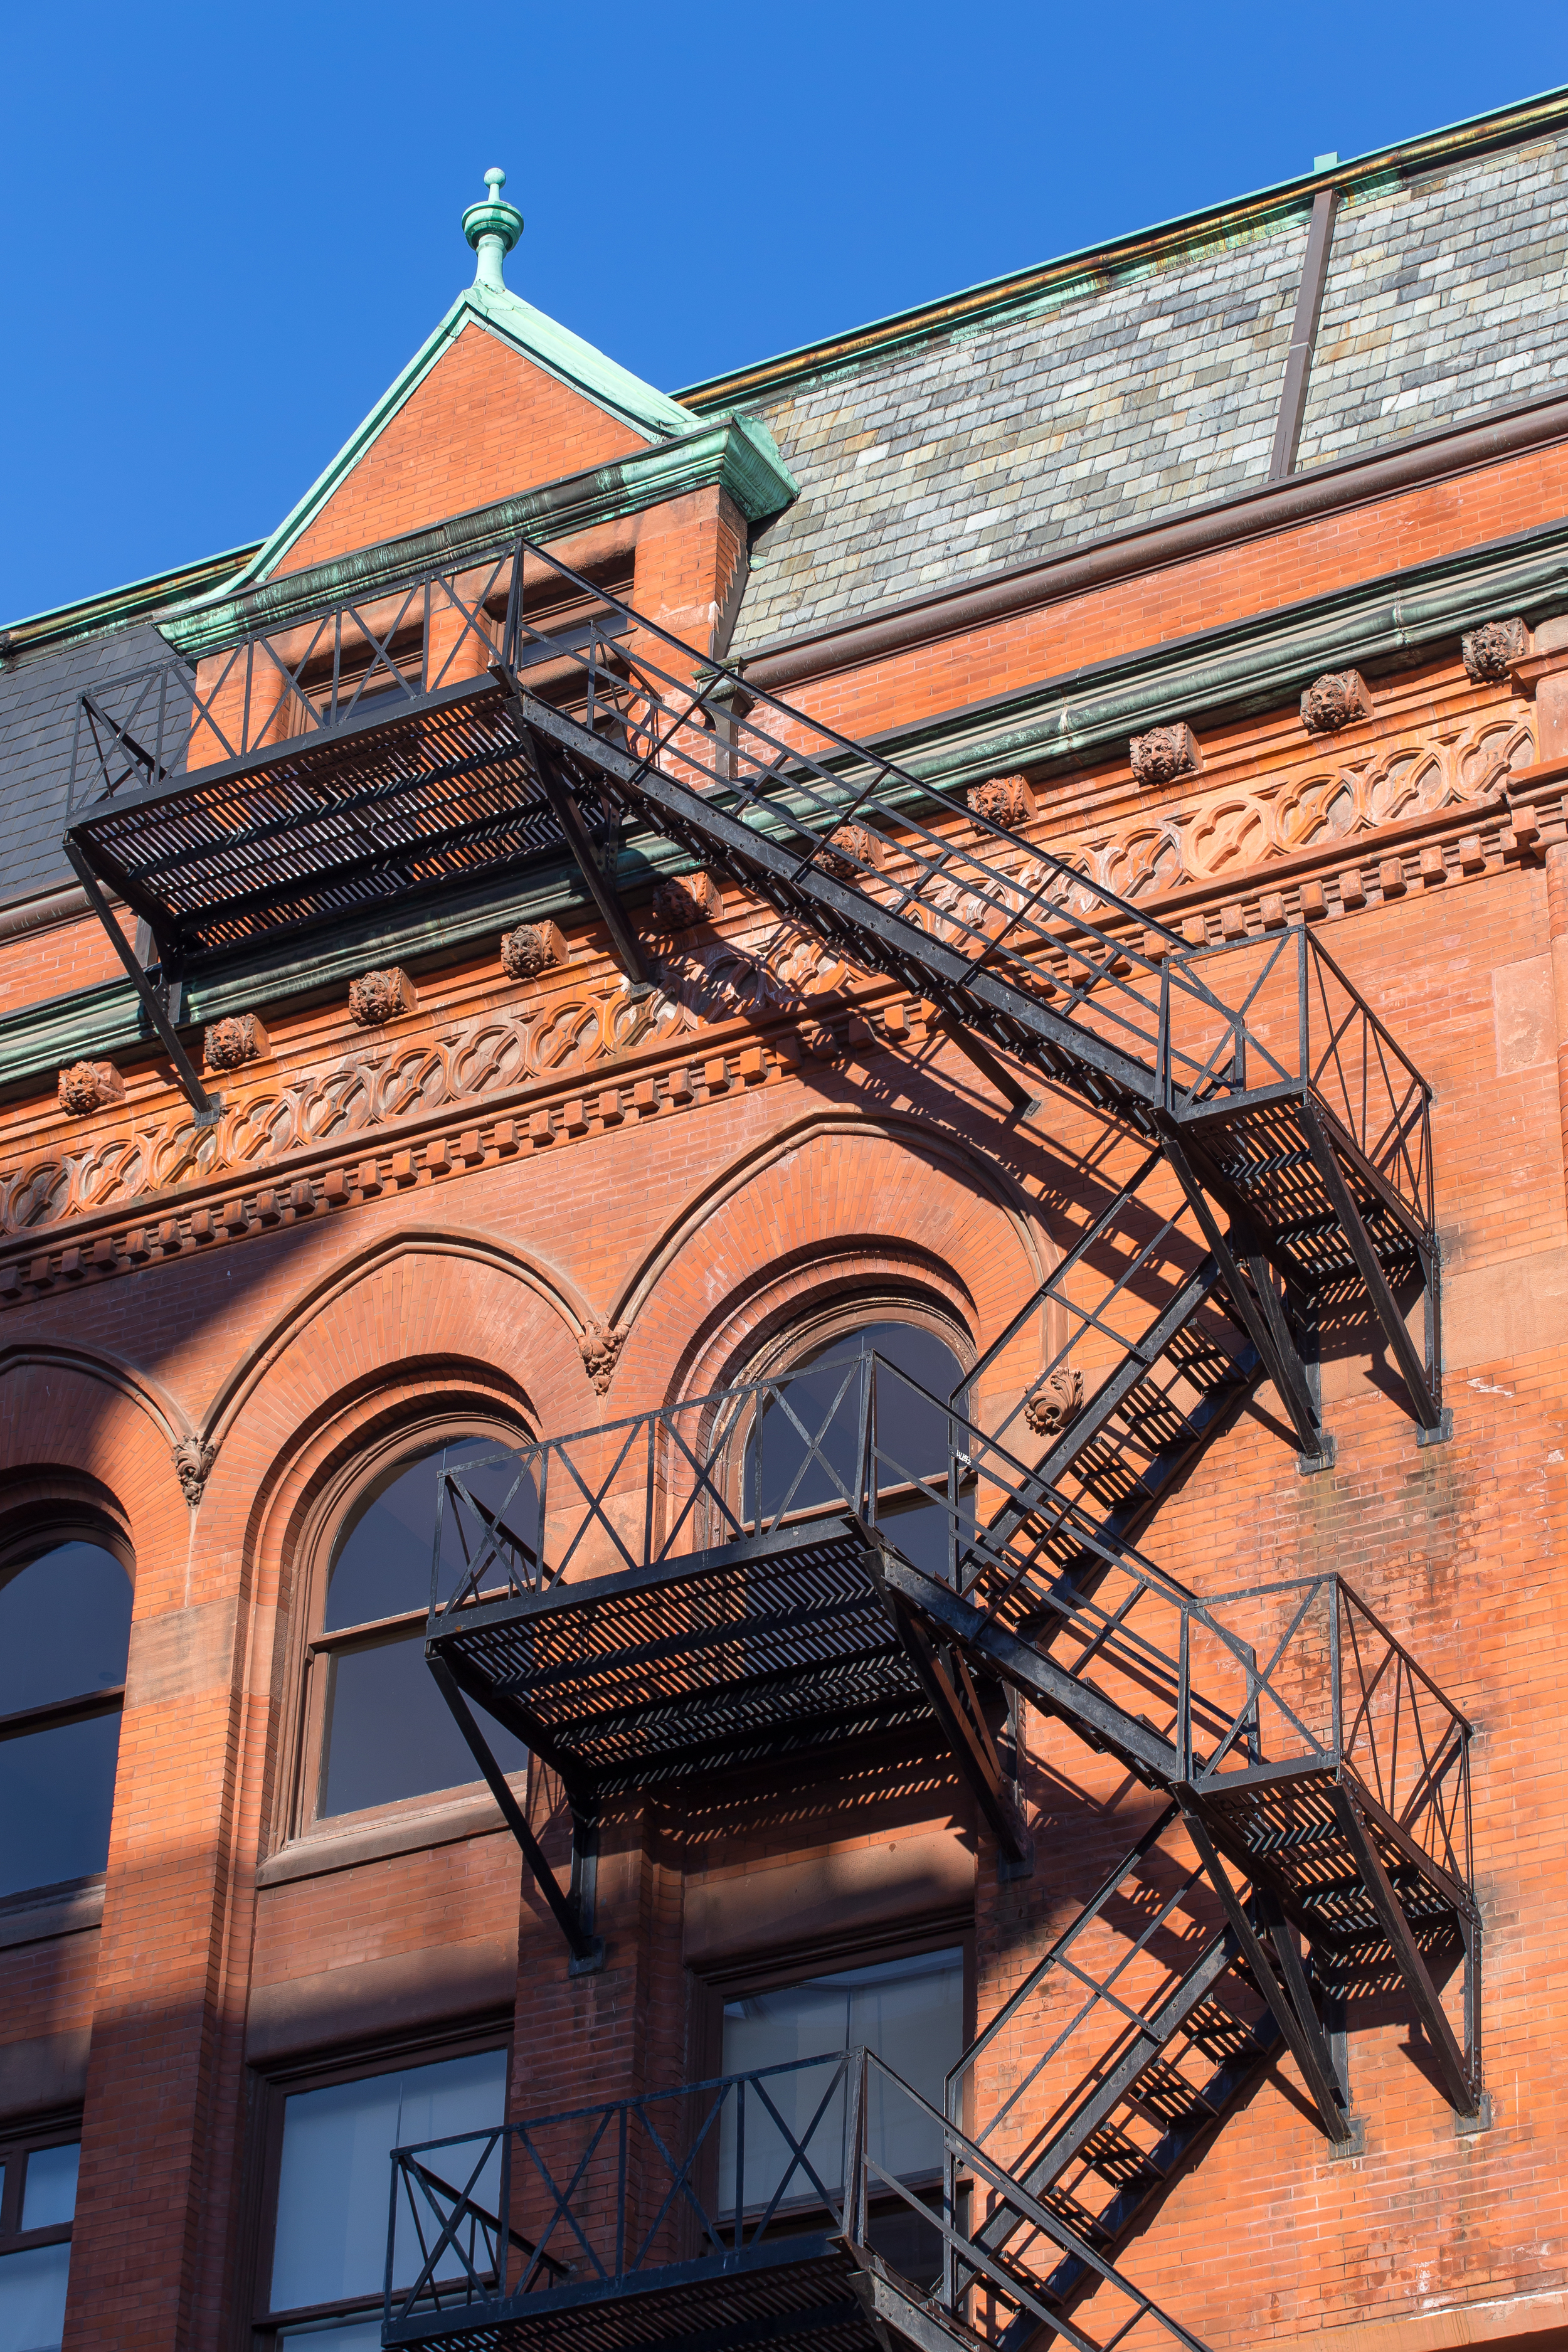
{"points": [[641, 1611]]}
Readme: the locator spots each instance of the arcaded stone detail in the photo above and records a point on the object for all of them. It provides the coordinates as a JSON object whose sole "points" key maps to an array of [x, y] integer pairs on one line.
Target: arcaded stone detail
{"points": [[193, 1460], [677, 905], [376, 997], [229, 1045], [860, 848], [88, 1086], [1058, 1399], [600, 1347], [1007, 801], [1164, 754], [1339, 698], [531, 948], [1490, 650]]}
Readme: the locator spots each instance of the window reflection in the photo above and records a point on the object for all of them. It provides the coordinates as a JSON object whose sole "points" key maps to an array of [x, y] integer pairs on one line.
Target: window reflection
{"points": [[37, 2205], [387, 1731], [65, 1628]]}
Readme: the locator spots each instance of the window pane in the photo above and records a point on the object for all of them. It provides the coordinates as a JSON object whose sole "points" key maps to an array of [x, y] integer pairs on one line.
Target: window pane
{"points": [[382, 1564], [359, 2336], [824, 1397], [49, 2190], [908, 2012], [390, 1733], [33, 2299], [56, 1792], [334, 2176], [65, 1624]]}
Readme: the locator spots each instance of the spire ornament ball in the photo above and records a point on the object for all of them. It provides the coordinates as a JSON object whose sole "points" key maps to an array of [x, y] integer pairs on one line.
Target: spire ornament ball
{"points": [[493, 227]]}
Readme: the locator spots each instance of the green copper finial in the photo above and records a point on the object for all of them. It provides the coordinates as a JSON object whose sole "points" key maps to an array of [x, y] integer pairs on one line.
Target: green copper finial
{"points": [[493, 227]]}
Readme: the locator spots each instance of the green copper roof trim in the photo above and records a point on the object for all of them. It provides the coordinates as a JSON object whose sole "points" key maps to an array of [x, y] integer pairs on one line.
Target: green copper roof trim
{"points": [[114, 608], [737, 453], [555, 348], [1257, 663], [1090, 269]]}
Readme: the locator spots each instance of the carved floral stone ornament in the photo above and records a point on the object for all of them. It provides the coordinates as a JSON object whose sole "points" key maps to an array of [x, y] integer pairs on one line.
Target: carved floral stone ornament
{"points": [[1007, 801], [1490, 651], [1058, 1399], [600, 1347], [694, 899], [377, 997], [1164, 754], [229, 1045], [1339, 698], [193, 1460], [857, 848], [88, 1086], [531, 948]]}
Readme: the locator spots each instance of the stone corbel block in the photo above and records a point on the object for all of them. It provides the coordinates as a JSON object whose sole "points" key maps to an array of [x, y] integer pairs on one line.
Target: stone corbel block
{"points": [[692, 899], [531, 948], [377, 997], [1004, 801], [1164, 754], [852, 849], [1490, 651], [86, 1086], [1340, 698], [228, 1044]]}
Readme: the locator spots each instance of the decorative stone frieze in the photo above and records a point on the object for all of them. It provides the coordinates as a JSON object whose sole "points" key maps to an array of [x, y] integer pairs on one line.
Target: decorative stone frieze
{"points": [[1058, 1399], [1490, 650], [531, 948], [1339, 698], [229, 1045], [377, 997], [1164, 754], [600, 1347], [193, 1460], [86, 1086], [858, 846], [1007, 801], [676, 906]]}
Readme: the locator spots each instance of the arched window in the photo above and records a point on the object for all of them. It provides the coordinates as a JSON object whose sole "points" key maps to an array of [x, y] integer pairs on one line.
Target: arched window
{"points": [[377, 1729], [802, 1450], [65, 1628]]}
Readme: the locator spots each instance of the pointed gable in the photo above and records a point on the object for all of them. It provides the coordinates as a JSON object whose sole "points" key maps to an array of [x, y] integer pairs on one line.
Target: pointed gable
{"points": [[485, 422]]}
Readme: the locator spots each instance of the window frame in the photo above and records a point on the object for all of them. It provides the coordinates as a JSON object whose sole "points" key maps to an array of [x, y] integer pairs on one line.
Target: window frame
{"points": [[312, 1648], [64, 1522], [260, 2328], [60, 2128]]}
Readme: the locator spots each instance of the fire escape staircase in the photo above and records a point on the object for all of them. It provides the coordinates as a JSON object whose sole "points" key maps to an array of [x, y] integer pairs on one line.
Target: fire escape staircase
{"points": [[641, 1611]]}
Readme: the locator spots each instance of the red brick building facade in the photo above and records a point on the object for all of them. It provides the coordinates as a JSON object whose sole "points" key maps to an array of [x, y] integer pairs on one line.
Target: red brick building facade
{"points": [[991, 896]]}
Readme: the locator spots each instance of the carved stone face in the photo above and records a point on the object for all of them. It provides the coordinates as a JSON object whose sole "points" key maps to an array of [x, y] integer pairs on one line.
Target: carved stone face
{"points": [[1489, 650], [230, 1043], [1164, 754], [1335, 700], [78, 1090], [1001, 800], [859, 847], [525, 953], [675, 905], [377, 996]]}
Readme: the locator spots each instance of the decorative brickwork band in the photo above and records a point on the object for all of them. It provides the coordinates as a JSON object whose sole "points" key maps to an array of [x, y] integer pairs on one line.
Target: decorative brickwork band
{"points": [[600, 1347], [860, 849], [88, 1086], [229, 1045], [193, 1462], [1007, 801], [678, 906], [1058, 1399], [1490, 650], [376, 997], [1164, 754], [531, 948], [1339, 698]]}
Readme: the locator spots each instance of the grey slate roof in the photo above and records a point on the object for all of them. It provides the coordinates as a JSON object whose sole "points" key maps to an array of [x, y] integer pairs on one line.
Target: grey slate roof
{"points": [[993, 447]]}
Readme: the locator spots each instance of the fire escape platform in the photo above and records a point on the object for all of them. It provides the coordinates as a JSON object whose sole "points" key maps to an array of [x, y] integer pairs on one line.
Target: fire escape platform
{"points": [[796, 2290], [776, 1645]]}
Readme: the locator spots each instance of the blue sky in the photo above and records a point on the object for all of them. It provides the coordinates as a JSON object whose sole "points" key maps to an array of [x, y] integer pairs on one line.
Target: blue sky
{"points": [[226, 228]]}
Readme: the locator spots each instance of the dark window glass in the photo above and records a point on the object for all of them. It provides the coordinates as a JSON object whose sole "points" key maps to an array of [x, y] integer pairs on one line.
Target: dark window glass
{"points": [[64, 1627], [330, 2244], [803, 1454], [388, 1731], [908, 2012], [37, 2204]]}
